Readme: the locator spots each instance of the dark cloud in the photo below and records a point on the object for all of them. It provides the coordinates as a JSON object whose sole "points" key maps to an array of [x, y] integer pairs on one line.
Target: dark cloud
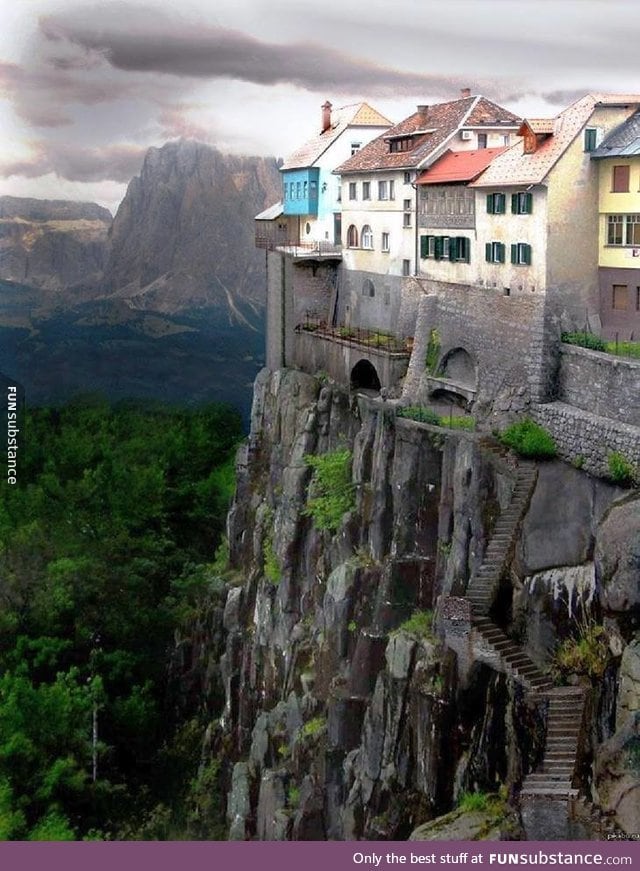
{"points": [[152, 42], [112, 163]]}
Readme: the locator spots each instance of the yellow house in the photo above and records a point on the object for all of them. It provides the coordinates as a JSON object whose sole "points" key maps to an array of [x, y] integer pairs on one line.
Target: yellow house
{"points": [[618, 159]]}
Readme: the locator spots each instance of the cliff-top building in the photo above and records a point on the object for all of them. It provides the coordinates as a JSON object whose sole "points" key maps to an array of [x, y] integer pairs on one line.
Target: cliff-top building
{"points": [[310, 210], [618, 162]]}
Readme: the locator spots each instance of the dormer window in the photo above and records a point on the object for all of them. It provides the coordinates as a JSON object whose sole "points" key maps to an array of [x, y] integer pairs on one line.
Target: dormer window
{"points": [[355, 147], [402, 144]]}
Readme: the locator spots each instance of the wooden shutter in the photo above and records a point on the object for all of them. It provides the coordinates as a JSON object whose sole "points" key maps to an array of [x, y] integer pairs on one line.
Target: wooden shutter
{"points": [[437, 247], [490, 204], [424, 246], [514, 253], [514, 204], [527, 254], [528, 203], [621, 179], [487, 252]]}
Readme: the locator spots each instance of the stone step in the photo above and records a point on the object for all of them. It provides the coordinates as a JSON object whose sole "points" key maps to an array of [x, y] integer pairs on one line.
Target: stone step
{"points": [[550, 790], [548, 777]]}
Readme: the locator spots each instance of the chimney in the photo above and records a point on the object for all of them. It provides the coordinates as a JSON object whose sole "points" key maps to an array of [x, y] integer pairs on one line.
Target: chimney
{"points": [[465, 92], [326, 116], [422, 109]]}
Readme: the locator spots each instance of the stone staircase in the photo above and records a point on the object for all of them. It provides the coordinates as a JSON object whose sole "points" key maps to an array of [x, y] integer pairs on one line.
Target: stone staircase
{"points": [[484, 582], [554, 778], [516, 662]]}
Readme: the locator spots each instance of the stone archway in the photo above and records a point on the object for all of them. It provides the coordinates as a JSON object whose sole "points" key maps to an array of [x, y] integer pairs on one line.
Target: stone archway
{"points": [[458, 367], [364, 376]]}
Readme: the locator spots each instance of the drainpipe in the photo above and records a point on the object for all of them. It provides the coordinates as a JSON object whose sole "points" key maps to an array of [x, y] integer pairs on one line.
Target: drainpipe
{"points": [[416, 240]]}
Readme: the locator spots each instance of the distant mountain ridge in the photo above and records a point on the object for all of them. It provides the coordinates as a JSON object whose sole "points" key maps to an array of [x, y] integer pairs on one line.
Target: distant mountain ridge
{"points": [[166, 299], [183, 234], [53, 244]]}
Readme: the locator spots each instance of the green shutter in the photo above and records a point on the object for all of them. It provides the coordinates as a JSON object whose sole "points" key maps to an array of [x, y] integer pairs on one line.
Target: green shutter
{"points": [[487, 252], [514, 204], [514, 253], [500, 204], [527, 254], [453, 248], [501, 250], [528, 203], [437, 247], [490, 204], [424, 246]]}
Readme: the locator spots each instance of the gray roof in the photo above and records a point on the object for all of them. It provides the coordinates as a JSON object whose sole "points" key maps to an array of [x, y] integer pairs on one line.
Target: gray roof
{"points": [[271, 213], [624, 141]]}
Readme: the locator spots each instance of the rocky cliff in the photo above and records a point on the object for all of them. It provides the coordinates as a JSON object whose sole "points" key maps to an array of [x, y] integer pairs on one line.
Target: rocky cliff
{"points": [[183, 235], [53, 244], [348, 714]]}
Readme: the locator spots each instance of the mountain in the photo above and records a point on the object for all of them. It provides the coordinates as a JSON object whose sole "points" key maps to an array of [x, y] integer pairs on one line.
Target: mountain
{"points": [[53, 244], [166, 300], [182, 238]]}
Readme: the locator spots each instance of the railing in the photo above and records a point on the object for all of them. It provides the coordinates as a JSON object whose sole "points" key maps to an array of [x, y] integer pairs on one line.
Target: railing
{"points": [[322, 248], [382, 341]]}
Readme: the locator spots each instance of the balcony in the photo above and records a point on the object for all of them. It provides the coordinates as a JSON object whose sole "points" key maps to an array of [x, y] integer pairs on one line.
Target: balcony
{"points": [[322, 250], [373, 339]]}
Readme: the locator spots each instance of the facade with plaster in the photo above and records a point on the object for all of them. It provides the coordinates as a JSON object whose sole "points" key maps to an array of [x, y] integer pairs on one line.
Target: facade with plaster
{"points": [[618, 165]]}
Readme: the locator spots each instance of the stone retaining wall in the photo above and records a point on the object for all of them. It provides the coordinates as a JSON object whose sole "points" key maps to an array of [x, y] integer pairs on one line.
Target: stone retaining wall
{"points": [[600, 383], [586, 439]]}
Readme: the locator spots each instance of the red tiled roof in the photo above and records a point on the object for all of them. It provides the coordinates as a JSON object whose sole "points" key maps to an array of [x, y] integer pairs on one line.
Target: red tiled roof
{"points": [[459, 166], [539, 126], [357, 115], [444, 119], [515, 167]]}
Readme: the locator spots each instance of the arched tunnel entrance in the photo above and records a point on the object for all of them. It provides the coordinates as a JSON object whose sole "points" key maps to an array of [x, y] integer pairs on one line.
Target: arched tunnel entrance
{"points": [[364, 376]]}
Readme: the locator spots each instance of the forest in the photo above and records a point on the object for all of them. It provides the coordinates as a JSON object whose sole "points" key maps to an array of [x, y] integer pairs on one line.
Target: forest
{"points": [[107, 549]]}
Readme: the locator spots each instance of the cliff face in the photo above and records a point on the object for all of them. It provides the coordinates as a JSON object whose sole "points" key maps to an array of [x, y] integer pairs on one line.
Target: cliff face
{"points": [[177, 236], [52, 244], [346, 713]]}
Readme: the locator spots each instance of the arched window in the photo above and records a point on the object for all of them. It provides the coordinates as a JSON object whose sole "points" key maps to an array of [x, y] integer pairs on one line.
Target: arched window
{"points": [[368, 288], [352, 237], [367, 237]]}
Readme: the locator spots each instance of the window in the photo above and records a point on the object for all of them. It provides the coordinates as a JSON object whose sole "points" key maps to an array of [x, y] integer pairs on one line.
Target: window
{"points": [[619, 297], [632, 228], [427, 246], [353, 191], [506, 139], [403, 144], [615, 224], [368, 288], [285, 188], [366, 190], [385, 241], [590, 139], [366, 237], [620, 179], [460, 249], [383, 190], [521, 254], [454, 248], [521, 203], [304, 190], [352, 237], [407, 178], [494, 252], [496, 204], [406, 219], [482, 140], [313, 190], [298, 190], [339, 193], [355, 147], [406, 205], [392, 190], [307, 228], [406, 267]]}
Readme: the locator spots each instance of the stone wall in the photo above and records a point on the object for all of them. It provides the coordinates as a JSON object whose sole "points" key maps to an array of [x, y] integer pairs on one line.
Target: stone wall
{"points": [[505, 337], [586, 439], [315, 353], [600, 383]]}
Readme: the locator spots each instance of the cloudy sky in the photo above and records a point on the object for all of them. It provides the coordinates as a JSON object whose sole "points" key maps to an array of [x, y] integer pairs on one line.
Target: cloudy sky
{"points": [[86, 87]]}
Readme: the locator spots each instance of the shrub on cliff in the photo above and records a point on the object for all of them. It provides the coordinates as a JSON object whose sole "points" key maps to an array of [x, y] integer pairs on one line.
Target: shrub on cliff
{"points": [[331, 492], [529, 440], [584, 340]]}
